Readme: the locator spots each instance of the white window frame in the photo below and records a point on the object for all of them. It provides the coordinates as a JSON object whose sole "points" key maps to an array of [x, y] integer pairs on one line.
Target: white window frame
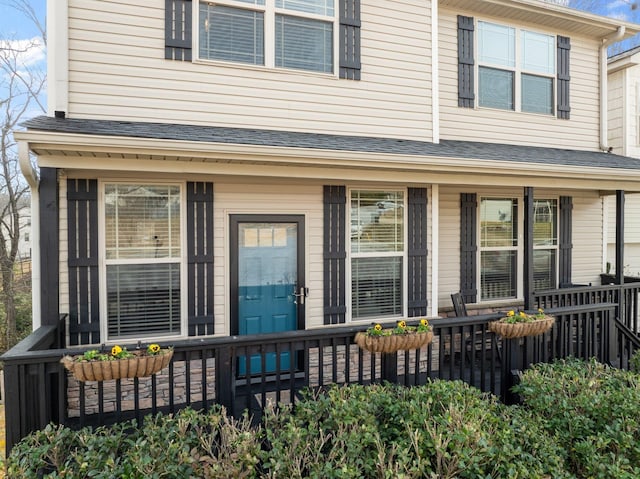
{"points": [[350, 256], [517, 70], [103, 262], [269, 10], [520, 246], [555, 247]]}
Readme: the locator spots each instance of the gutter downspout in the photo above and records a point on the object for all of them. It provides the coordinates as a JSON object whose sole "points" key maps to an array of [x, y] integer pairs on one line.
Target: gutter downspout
{"points": [[604, 96], [31, 176]]}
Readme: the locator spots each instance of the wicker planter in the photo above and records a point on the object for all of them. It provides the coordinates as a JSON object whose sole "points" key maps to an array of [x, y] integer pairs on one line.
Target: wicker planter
{"points": [[394, 342], [520, 330], [137, 367]]}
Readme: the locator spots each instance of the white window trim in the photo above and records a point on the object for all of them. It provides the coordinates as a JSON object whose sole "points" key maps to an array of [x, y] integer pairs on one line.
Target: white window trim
{"points": [[270, 11], [637, 114], [519, 249], [102, 261], [349, 256], [517, 71]]}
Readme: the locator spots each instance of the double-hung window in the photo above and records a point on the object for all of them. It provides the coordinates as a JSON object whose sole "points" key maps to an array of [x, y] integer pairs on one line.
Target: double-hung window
{"points": [[294, 34], [142, 257], [498, 248], [377, 254], [516, 69], [545, 244]]}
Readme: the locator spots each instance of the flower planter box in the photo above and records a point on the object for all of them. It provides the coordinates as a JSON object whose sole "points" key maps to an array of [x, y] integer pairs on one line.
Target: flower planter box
{"points": [[394, 342], [520, 330], [141, 365]]}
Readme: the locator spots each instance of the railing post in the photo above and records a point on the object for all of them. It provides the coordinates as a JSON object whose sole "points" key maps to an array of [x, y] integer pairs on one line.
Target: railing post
{"points": [[225, 378], [512, 357], [612, 354], [13, 403], [390, 367]]}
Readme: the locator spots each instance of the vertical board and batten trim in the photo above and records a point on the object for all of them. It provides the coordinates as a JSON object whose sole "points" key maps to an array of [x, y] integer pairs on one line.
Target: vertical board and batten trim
{"points": [[178, 30], [334, 254], [349, 54], [565, 245], [84, 311], [417, 252], [468, 246], [200, 318], [49, 248], [466, 95], [564, 77]]}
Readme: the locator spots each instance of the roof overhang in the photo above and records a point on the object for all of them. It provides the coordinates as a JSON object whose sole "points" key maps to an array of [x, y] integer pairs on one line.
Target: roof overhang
{"points": [[88, 152], [623, 60], [549, 15]]}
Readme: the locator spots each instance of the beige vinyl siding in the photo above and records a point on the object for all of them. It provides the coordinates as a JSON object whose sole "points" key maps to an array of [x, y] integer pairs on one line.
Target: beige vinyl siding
{"points": [[63, 238], [117, 70], [629, 108], [616, 111], [483, 124], [587, 233]]}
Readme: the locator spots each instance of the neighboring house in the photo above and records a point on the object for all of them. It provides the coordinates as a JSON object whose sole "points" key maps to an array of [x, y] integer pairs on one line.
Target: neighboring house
{"points": [[238, 167], [624, 137]]}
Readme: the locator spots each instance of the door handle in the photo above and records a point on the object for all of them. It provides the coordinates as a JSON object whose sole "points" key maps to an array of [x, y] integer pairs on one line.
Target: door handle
{"points": [[303, 292]]}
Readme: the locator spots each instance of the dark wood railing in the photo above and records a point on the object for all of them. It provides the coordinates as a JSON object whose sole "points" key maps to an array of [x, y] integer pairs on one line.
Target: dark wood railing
{"points": [[216, 370]]}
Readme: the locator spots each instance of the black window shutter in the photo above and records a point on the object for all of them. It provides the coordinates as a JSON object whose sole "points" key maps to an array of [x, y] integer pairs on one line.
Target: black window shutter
{"points": [[177, 30], [200, 258], [417, 252], [466, 96], [82, 231], [565, 241], [350, 39], [335, 254], [468, 246], [564, 50]]}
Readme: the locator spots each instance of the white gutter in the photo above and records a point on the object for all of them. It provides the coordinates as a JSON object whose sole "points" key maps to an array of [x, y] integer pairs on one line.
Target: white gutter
{"points": [[604, 96], [32, 178]]}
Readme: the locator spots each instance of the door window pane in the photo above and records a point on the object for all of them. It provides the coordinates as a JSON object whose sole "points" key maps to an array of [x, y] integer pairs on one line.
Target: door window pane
{"points": [[544, 269], [496, 88], [498, 279], [496, 44], [319, 7], [231, 34], [143, 299], [537, 94], [304, 44], [538, 52], [376, 287], [544, 222]]}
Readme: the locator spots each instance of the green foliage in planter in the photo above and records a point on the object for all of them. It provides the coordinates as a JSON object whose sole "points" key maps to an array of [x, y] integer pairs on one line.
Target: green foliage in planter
{"points": [[591, 409]]}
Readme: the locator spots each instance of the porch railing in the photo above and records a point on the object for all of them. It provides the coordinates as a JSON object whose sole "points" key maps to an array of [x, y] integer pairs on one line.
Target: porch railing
{"points": [[247, 372]]}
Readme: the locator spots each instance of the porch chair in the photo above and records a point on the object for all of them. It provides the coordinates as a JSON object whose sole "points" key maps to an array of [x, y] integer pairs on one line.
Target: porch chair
{"points": [[460, 309]]}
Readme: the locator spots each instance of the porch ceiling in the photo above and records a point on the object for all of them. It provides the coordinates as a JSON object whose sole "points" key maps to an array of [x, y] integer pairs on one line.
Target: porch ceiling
{"points": [[554, 17], [114, 145]]}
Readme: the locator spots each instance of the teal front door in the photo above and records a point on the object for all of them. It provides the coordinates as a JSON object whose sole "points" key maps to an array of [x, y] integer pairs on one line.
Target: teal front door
{"points": [[267, 281]]}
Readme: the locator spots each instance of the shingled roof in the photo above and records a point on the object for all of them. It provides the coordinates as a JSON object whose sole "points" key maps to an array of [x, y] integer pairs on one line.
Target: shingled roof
{"points": [[290, 139]]}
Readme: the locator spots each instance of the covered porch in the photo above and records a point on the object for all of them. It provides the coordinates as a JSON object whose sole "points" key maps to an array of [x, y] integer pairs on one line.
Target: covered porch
{"points": [[598, 321]]}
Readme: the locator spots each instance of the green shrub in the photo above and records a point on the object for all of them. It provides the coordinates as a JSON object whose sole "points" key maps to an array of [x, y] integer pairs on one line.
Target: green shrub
{"points": [[592, 410]]}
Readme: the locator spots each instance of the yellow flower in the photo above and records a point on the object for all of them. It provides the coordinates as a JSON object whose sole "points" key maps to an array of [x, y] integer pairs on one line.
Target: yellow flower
{"points": [[523, 314], [378, 327], [153, 349], [424, 322], [116, 350], [540, 310], [402, 324], [511, 313]]}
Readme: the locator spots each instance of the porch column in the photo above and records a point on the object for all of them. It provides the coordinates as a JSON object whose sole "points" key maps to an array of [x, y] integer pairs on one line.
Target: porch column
{"points": [[619, 236], [528, 248], [49, 247]]}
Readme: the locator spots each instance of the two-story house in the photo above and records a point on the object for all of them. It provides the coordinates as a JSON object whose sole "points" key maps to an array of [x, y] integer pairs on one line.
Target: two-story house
{"points": [[246, 166]]}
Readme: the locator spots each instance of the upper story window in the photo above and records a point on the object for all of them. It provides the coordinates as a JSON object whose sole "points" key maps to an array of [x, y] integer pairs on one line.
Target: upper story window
{"points": [[296, 34], [516, 69]]}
